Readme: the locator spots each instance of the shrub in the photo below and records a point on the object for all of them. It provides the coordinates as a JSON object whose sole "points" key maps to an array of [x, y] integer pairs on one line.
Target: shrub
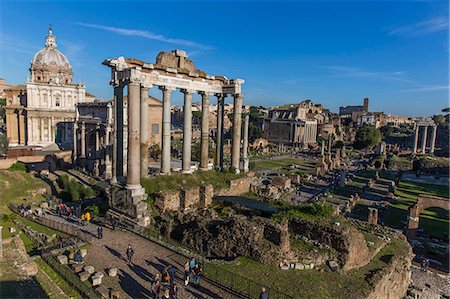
{"points": [[18, 166], [314, 210]]}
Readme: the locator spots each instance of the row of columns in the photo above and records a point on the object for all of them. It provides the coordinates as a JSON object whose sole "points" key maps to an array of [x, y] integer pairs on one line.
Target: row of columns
{"points": [[138, 123], [424, 138]]}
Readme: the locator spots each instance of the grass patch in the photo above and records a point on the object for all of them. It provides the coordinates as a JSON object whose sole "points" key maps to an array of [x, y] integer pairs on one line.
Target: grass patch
{"points": [[65, 287]]}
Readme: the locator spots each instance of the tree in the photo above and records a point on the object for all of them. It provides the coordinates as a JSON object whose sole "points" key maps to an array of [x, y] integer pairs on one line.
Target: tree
{"points": [[446, 110], [367, 137], [155, 152], [439, 119]]}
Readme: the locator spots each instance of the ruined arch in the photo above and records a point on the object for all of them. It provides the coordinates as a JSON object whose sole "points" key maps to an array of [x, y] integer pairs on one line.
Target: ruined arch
{"points": [[423, 202]]}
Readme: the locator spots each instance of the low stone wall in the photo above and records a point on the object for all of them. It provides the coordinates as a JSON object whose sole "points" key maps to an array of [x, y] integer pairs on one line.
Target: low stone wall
{"points": [[393, 280], [7, 163], [348, 242], [236, 187], [195, 197]]}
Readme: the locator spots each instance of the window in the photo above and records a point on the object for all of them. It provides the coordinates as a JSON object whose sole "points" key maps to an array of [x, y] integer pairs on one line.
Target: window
{"points": [[155, 129], [57, 102]]}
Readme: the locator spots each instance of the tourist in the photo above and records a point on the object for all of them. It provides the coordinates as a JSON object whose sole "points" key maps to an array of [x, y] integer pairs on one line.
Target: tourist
{"points": [[174, 292], [165, 277], [197, 271], [192, 263], [129, 253], [78, 258], [187, 272], [264, 294], [113, 222], [156, 287], [100, 232], [83, 218], [172, 271], [88, 217], [166, 294]]}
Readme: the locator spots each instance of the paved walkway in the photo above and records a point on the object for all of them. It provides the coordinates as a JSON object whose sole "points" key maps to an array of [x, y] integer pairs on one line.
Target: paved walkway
{"points": [[149, 258]]}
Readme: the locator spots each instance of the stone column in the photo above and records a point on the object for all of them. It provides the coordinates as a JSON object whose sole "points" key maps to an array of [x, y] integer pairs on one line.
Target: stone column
{"points": [[424, 139], [204, 145], [187, 130], [74, 153], [50, 130], [144, 131], [42, 128], [236, 138], [118, 133], [416, 137], [108, 170], [165, 151], [97, 151], [323, 148], [83, 140], [433, 139], [222, 125], [133, 160], [245, 144], [219, 136]]}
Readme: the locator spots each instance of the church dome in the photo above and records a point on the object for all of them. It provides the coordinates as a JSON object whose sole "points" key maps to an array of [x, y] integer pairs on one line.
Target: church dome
{"points": [[49, 65]]}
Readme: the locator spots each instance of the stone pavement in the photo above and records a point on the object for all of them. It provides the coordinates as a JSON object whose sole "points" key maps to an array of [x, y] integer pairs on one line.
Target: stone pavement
{"points": [[149, 259], [431, 284], [134, 279]]}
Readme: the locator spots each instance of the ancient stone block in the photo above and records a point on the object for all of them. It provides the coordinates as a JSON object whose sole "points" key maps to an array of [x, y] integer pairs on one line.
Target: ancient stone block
{"points": [[62, 259], [89, 269], [96, 280], [103, 291], [71, 255], [84, 276], [299, 266], [112, 272], [77, 268]]}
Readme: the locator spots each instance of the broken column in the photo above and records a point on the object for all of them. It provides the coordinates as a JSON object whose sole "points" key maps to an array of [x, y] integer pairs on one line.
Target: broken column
{"points": [[424, 139], [373, 216], [433, 139], [416, 137]]}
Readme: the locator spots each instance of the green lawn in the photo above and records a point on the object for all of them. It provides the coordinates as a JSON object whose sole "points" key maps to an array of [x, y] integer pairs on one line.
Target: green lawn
{"points": [[311, 283], [281, 164]]}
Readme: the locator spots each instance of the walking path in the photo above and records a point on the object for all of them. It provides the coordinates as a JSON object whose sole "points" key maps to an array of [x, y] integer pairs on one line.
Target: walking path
{"points": [[149, 258]]}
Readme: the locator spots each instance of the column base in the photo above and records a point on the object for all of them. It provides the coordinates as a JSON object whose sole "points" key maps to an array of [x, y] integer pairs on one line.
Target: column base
{"points": [[246, 164], [133, 186], [187, 171]]}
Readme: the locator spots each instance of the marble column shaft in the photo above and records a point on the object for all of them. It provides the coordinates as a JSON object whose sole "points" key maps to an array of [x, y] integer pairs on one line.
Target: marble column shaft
{"points": [[187, 131], [219, 136], [118, 133], [165, 151], [433, 139], [83, 140], [133, 161], [424, 139], [236, 137], [245, 142], [416, 137], [75, 145], [144, 123], [204, 144]]}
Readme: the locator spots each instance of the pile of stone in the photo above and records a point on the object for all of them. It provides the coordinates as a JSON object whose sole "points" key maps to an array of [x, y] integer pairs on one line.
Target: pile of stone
{"points": [[85, 272], [297, 266]]}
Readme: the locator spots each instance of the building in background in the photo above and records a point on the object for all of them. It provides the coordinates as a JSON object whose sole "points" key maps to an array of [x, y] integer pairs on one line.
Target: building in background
{"points": [[42, 111], [353, 113]]}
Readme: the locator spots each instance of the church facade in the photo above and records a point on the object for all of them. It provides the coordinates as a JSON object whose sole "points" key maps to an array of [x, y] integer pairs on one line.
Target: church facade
{"points": [[41, 112]]}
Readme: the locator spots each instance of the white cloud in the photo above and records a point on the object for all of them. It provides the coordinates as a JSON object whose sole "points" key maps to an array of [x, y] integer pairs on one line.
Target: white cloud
{"points": [[148, 35], [427, 88], [356, 72], [420, 28]]}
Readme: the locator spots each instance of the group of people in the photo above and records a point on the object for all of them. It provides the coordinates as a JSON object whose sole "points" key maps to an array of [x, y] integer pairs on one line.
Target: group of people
{"points": [[163, 286], [192, 270]]}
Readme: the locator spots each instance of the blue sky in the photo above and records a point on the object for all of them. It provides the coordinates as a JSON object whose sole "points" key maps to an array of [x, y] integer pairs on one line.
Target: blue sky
{"points": [[335, 53]]}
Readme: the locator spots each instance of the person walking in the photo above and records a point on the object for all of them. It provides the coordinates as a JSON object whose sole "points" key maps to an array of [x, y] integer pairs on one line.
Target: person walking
{"points": [[113, 222], [264, 294], [83, 218], [172, 271], [197, 271], [156, 286], [100, 232], [129, 253], [187, 272]]}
